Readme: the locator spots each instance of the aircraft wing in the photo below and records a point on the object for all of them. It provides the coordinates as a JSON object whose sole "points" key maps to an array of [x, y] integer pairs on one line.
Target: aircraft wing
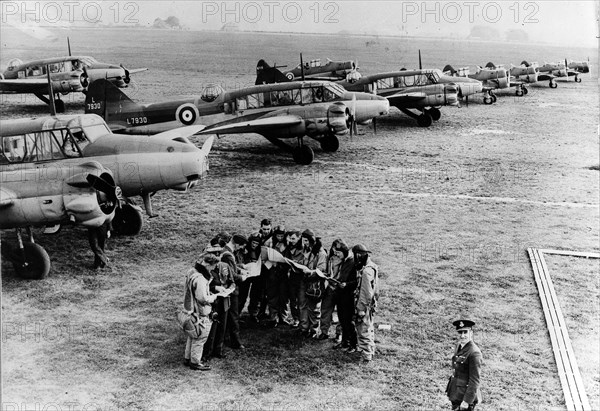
{"points": [[404, 98], [545, 76], [7, 197], [253, 126], [138, 70], [23, 86]]}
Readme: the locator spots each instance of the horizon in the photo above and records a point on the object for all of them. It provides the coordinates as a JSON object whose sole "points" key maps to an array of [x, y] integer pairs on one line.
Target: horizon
{"points": [[562, 23]]}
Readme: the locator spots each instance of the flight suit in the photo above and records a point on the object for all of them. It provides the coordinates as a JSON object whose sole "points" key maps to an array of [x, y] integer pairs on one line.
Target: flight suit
{"points": [[295, 291], [200, 298], [213, 346], [310, 308], [365, 302], [464, 383]]}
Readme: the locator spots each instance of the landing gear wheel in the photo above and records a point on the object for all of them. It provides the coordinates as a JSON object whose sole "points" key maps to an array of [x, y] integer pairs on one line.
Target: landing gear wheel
{"points": [[435, 113], [553, 84], [60, 105], [487, 100], [494, 98], [519, 93], [525, 90], [424, 120], [128, 220], [330, 144], [577, 79], [303, 155], [37, 265]]}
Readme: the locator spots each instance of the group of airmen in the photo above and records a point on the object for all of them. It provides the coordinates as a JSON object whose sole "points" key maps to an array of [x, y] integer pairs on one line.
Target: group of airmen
{"points": [[219, 285]]}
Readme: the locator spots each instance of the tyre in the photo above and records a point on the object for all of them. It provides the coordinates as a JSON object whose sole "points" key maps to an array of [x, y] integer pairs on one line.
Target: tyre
{"points": [[330, 144], [37, 264], [128, 220], [303, 155], [525, 90], [424, 120], [519, 93], [553, 84], [488, 100], [435, 113]]}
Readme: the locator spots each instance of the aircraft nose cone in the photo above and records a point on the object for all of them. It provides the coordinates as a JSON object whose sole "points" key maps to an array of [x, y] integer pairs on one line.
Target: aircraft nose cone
{"points": [[194, 166]]}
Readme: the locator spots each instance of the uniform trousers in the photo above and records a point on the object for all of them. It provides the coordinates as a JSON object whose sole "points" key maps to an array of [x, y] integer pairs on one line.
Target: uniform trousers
{"points": [[365, 332], [195, 346]]}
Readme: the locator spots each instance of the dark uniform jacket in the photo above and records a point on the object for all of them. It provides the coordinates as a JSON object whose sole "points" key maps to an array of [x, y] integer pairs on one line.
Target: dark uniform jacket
{"points": [[464, 384]]}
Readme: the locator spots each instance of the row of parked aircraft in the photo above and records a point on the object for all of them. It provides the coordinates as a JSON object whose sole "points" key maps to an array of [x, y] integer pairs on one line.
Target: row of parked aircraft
{"points": [[85, 169]]}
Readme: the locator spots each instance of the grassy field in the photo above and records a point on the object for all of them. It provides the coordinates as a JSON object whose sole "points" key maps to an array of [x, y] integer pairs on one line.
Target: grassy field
{"points": [[448, 212]]}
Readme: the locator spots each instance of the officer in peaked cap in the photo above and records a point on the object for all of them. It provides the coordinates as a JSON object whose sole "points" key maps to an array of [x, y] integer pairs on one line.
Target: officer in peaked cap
{"points": [[463, 386]]}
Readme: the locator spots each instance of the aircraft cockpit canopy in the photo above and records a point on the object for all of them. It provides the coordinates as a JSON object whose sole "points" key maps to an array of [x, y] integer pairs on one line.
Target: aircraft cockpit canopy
{"points": [[50, 139], [296, 94], [13, 64], [421, 78], [211, 92], [86, 61]]}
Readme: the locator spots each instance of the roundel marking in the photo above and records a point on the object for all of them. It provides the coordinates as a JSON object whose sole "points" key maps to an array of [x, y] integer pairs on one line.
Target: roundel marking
{"points": [[290, 76], [187, 114]]}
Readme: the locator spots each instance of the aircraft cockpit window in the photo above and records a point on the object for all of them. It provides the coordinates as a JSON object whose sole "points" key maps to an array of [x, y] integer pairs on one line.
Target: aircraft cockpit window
{"points": [[282, 98], [86, 61], [337, 89], [92, 132], [13, 150], [312, 95], [34, 71], [241, 103], [57, 67], [40, 146], [385, 83], [69, 140], [256, 100], [328, 95]]}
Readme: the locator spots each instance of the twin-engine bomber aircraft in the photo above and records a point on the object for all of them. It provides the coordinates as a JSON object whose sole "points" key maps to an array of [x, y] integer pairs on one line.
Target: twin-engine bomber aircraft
{"points": [[320, 110], [404, 89], [68, 74], [72, 169]]}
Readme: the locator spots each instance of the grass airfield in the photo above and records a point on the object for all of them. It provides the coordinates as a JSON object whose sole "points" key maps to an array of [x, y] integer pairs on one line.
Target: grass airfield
{"points": [[448, 211]]}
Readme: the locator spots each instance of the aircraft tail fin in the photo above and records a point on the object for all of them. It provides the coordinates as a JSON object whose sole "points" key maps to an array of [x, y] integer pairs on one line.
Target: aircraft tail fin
{"points": [[449, 69], [109, 102], [265, 74]]}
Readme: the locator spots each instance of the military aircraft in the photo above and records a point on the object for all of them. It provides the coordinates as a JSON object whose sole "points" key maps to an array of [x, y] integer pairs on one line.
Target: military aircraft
{"points": [[491, 78], [72, 169], [320, 110], [313, 70], [68, 74], [404, 89], [579, 66], [551, 71], [409, 89]]}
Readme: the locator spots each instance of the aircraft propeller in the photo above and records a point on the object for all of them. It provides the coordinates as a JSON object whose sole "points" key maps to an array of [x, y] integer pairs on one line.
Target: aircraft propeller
{"points": [[50, 92], [111, 191], [351, 122]]}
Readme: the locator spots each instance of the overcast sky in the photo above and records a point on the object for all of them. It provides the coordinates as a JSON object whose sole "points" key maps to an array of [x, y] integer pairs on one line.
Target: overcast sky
{"points": [[559, 22]]}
